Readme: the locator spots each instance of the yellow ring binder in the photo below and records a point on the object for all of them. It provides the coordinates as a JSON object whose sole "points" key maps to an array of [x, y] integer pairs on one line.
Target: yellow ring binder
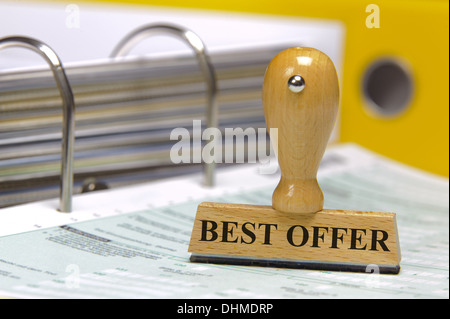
{"points": [[66, 184], [203, 59], [374, 30]]}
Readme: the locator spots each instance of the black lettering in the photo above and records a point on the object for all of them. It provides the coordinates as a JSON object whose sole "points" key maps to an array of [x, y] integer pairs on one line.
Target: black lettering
{"points": [[205, 230], [316, 235], [354, 239], [335, 236], [226, 231], [249, 233], [267, 232], [380, 241], [305, 236]]}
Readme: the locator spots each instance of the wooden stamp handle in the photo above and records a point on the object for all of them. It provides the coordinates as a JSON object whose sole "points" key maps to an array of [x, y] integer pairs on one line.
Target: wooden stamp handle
{"points": [[300, 99]]}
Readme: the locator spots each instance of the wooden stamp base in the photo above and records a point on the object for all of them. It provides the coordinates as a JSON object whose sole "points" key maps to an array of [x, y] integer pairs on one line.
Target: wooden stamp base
{"points": [[339, 240]]}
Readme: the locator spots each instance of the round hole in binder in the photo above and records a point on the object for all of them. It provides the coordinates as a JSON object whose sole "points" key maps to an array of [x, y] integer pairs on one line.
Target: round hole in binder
{"points": [[388, 87], [197, 45], [66, 183]]}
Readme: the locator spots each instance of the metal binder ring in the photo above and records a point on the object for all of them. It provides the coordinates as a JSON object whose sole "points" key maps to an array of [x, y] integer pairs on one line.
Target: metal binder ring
{"points": [[66, 183], [207, 69]]}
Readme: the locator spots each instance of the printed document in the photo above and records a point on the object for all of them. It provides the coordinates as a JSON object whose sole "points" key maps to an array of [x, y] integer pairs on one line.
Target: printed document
{"points": [[132, 242]]}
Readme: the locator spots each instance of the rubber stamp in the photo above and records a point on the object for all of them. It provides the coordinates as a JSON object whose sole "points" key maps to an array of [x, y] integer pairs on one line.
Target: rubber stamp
{"points": [[300, 99]]}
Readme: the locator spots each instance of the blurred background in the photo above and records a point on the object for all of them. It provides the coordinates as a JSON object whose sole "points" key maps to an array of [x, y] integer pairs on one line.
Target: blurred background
{"points": [[391, 57]]}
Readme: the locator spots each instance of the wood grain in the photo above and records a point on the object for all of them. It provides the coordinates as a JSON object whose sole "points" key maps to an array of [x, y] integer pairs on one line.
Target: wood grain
{"points": [[296, 227], [304, 121], [263, 232]]}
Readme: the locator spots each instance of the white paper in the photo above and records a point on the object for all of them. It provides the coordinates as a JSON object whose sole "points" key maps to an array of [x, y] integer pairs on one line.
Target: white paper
{"points": [[90, 31], [140, 250]]}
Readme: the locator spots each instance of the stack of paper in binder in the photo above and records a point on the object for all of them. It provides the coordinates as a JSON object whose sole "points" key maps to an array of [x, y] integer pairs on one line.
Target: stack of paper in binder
{"points": [[125, 112]]}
